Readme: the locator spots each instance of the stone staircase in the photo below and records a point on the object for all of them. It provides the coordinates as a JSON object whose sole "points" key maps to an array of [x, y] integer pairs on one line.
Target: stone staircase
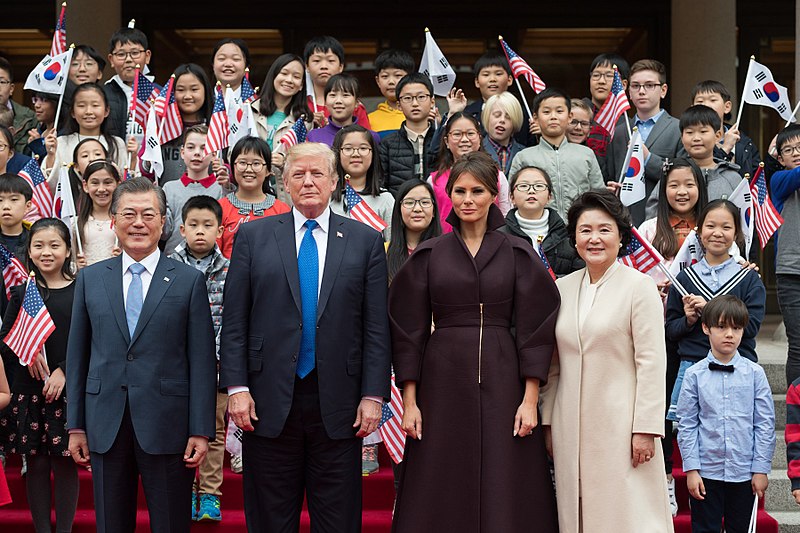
{"points": [[771, 349]]}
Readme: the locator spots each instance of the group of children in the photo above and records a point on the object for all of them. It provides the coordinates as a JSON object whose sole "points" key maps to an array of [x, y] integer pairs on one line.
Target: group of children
{"points": [[544, 161]]}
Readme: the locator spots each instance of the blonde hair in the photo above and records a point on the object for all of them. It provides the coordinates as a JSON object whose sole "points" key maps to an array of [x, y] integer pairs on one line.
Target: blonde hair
{"points": [[580, 104], [310, 149], [506, 102]]}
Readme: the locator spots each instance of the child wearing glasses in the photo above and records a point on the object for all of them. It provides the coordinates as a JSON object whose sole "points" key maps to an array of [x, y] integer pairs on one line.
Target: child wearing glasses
{"points": [[659, 130], [357, 166], [580, 124], [195, 181], [573, 168], [251, 164], [127, 49], [410, 152], [539, 225]]}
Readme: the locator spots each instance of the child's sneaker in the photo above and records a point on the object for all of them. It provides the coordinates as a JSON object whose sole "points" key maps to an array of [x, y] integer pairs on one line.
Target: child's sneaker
{"points": [[369, 459], [673, 502], [194, 506], [209, 508], [236, 464]]}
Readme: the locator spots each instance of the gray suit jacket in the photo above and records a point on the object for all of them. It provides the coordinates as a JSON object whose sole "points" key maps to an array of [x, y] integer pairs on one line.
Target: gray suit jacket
{"points": [[165, 372], [664, 141]]}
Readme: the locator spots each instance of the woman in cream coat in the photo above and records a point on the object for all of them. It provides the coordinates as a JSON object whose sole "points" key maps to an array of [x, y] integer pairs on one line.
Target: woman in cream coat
{"points": [[604, 401]]}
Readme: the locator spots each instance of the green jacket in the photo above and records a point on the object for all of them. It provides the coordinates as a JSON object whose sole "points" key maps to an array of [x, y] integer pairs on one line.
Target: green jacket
{"points": [[24, 120]]}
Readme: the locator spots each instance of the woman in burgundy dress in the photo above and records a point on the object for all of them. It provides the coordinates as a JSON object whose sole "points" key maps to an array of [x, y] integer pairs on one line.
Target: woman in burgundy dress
{"points": [[470, 386]]}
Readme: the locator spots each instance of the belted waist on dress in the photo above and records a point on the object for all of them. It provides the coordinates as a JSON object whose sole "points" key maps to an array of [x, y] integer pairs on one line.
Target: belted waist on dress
{"points": [[459, 316]]}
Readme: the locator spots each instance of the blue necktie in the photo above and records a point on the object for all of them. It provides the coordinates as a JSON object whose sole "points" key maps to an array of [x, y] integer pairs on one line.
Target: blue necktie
{"points": [[308, 270], [133, 306]]}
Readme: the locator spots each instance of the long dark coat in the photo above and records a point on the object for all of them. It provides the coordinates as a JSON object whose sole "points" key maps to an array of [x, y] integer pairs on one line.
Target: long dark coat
{"points": [[469, 473]]}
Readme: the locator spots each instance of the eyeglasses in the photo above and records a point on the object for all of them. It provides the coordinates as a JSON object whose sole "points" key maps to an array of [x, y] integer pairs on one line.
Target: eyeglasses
{"points": [[122, 55], [361, 150], [257, 166], [582, 123], [410, 203], [789, 150], [648, 87], [537, 187], [89, 62], [132, 216], [3, 147], [421, 98], [607, 75], [457, 135], [5, 82]]}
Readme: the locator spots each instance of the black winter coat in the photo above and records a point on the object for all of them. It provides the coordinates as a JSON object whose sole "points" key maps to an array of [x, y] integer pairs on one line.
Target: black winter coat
{"points": [[398, 158]]}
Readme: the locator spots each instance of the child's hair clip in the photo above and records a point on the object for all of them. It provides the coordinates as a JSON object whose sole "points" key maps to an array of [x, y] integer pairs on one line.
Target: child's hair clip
{"points": [[666, 166]]}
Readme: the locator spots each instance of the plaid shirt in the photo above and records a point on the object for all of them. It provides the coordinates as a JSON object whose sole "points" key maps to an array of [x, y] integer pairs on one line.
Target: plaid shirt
{"points": [[502, 152]]}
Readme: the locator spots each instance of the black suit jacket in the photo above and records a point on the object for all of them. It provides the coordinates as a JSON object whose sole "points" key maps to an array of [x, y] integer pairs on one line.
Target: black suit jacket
{"points": [[166, 371], [263, 321]]}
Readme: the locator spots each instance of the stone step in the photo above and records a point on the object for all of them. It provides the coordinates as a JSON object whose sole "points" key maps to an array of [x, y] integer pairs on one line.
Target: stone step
{"points": [[779, 459], [780, 411], [776, 375], [779, 495], [788, 521]]}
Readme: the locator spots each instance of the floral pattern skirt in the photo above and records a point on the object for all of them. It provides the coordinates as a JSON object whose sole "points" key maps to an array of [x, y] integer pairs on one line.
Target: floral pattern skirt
{"points": [[31, 426]]}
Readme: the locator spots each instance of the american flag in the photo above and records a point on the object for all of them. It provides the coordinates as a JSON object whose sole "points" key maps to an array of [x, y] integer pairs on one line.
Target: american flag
{"points": [[32, 327], [297, 134], [359, 210], [521, 68], [42, 197], [59, 45], [615, 105], [767, 218], [641, 254], [543, 257], [218, 127], [390, 426], [171, 121], [144, 93], [13, 272], [248, 94]]}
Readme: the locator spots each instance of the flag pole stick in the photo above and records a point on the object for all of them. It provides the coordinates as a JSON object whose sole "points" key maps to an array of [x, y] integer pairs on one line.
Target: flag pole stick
{"points": [[675, 283], [77, 234], [794, 113], [516, 79], [741, 100], [61, 97]]}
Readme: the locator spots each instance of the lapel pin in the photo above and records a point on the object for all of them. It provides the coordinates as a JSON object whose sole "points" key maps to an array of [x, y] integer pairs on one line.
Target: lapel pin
{"points": [[339, 234], [166, 279]]}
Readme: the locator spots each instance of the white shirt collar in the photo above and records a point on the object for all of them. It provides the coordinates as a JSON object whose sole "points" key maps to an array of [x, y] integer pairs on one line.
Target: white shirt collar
{"points": [[149, 263], [323, 220]]}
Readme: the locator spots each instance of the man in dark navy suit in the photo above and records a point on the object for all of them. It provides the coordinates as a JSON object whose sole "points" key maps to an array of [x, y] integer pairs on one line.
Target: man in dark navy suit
{"points": [[141, 371], [305, 352]]}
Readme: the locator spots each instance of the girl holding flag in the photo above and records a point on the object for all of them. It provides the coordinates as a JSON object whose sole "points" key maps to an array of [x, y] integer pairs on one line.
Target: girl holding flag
{"points": [[542, 227], [35, 423], [360, 170]]}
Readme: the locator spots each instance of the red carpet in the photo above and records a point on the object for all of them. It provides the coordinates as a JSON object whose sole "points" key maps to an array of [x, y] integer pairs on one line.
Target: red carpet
{"points": [[377, 501]]}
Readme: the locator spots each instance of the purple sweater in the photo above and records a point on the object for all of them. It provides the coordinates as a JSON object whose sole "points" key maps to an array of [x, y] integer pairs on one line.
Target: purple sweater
{"points": [[325, 135]]}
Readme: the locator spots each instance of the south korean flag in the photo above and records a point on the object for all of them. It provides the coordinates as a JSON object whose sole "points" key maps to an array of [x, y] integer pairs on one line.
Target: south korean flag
{"points": [[760, 89], [152, 144], [436, 67], [633, 188]]}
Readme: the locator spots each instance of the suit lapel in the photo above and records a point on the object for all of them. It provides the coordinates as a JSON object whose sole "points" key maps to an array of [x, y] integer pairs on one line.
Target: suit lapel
{"points": [[287, 248], [337, 239], [113, 281], [659, 128], [162, 279]]}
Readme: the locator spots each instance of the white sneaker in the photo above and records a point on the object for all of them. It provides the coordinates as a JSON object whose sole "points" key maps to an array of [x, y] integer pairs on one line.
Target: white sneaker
{"points": [[673, 502], [236, 464]]}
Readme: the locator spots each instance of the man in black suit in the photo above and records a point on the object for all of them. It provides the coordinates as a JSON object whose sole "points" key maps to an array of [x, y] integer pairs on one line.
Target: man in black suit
{"points": [[141, 371], [305, 352]]}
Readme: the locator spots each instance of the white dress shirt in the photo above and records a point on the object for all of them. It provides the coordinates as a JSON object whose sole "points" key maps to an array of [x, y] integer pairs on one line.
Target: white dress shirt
{"points": [[149, 263], [320, 236]]}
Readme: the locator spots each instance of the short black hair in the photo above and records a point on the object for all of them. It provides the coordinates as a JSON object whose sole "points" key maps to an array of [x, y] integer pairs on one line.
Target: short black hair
{"points": [[14, 184], [202, 202], [700, 115], [127, 35], [239, 43], [603, 200], [414, 77], [322, 44], [87, 50], [609, 60], [5, 64], [491, 59], [392, 58], [138, 185], [787, 134], [711, 86], [343, 82], [550, 92], [725, 310]]}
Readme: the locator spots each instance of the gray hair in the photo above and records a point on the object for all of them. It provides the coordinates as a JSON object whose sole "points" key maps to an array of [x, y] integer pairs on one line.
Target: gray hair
{"points": [[138, 185], [309, 149]]}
